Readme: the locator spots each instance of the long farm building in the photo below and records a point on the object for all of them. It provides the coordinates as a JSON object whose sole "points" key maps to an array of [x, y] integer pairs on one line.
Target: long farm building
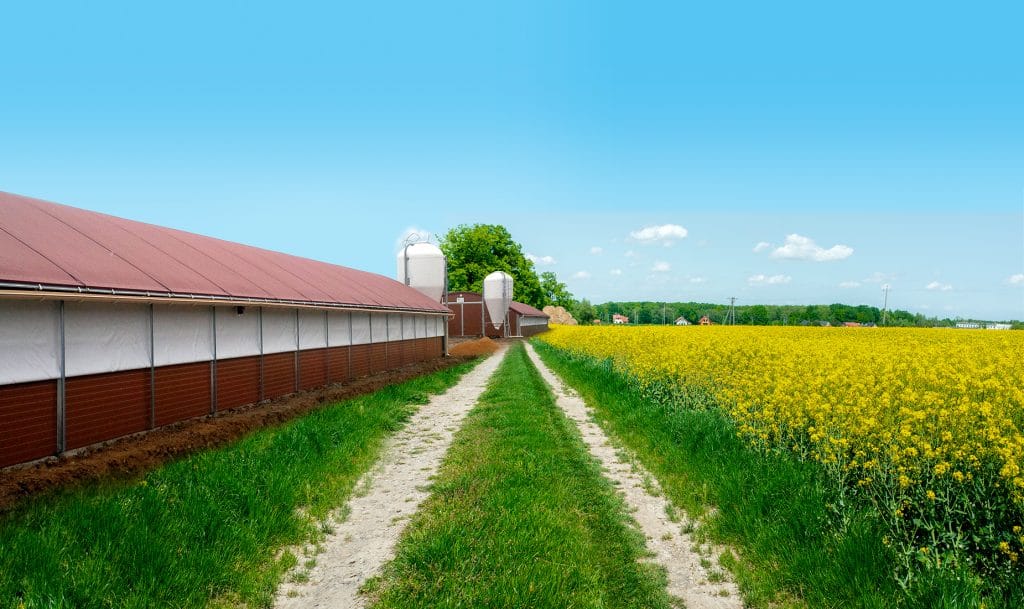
{"points": [[110, 327]]}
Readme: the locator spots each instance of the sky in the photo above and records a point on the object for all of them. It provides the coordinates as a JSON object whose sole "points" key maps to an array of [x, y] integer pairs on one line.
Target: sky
{"points": [[779, 153]]}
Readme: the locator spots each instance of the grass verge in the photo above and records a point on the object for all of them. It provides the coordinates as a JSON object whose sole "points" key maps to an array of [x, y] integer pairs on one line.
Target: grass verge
{"points": [[520, 516], [209, 529], [781, 514]]}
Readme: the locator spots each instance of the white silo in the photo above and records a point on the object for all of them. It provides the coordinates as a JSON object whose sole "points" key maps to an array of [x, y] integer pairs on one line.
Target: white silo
{"points": [[422, 266], [498, 296]]}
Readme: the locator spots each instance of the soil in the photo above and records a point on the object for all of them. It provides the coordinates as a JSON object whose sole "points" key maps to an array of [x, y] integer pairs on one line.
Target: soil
{"points": [[134, 455], [473, 348]]}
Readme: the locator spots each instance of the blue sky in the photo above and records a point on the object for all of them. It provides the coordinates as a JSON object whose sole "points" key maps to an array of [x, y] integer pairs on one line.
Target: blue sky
{"points": [[862, 144]]}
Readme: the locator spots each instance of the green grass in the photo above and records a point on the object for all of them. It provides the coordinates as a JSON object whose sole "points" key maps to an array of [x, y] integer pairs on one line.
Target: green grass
{"points": [[794, 549], [520, 516], [207, 530]]}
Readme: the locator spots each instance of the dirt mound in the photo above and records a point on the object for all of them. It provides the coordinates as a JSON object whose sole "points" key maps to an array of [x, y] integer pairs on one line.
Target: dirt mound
{"points": [[473, 348], [133, 455], [559, 316]]}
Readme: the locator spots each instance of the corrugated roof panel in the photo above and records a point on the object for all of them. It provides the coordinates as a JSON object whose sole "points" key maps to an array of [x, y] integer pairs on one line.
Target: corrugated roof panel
{"points": [[244, 265], [127, 243], [525, 309], [46, 243], [229, 280], [18, 262], [88, 262]]}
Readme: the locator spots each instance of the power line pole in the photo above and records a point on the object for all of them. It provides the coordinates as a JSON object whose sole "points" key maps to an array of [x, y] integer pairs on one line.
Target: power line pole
{"points": [[731, 319], [885, 302]]}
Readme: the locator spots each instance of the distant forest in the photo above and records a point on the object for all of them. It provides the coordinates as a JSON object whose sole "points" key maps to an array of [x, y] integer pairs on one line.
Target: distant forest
{"points": [[758, 315]]}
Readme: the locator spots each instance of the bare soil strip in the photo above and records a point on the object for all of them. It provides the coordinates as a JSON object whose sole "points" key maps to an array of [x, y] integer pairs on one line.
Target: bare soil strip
{"points": [[385, 499], [672, 548], [134, 455]]}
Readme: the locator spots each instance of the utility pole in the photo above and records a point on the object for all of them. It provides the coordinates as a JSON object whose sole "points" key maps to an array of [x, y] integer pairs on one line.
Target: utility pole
{"points": [[731, 318], [663, 305], [885, 302]]}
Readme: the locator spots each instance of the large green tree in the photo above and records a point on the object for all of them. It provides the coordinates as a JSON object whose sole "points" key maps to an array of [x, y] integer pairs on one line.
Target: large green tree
{"points": [[555, 292], [478, 250]]}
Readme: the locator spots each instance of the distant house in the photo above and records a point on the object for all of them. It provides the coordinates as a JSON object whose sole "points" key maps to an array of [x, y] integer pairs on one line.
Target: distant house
{"points": [[682, 321], [619, 319], [706, 321], [997, 327], [851, 324], [968, 325], [596, 322], [824, 324]]}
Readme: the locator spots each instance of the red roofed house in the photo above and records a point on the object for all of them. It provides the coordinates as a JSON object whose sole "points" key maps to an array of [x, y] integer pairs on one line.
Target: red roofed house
{"points": [[619, 319], [110, 327]]}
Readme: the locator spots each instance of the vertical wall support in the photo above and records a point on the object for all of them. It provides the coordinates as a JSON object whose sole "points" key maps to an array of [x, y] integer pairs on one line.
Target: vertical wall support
{"points": [[213, 363], [387, 338], [61, 393], [259, 322], [327, 348], [152, 367], [350, 343], [369, 316], [296, 358]]}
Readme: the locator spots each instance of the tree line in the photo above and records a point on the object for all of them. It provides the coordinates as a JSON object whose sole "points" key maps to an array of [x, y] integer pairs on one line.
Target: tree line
{"points": [[475, 251]]}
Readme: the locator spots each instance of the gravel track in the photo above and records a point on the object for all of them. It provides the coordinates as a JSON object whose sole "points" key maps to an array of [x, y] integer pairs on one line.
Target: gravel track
{"points": [[673, 549], [385, 499]]}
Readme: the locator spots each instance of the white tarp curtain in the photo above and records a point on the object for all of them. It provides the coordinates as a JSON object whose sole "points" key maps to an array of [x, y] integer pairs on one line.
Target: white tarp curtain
{"points": [[237, 335], [105, 337], [360, 328], [439, 323], [182, 334], [394, 326], [532, 321], [29, 341], [409, 327], [421, 325], [338, 329], [312, 330], [279, 330], [378, 328]]}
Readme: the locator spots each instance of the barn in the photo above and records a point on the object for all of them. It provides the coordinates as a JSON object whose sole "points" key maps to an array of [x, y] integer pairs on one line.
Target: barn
{"points": [[470, 318], [110, 327]]}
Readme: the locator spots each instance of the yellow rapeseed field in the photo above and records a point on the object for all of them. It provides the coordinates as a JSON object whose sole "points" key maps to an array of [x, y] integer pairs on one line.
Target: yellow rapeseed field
{"points": [[916, 419]]}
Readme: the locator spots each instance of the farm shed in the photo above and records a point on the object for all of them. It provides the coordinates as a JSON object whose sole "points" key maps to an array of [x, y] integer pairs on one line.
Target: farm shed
{"points": [[525, 320], [110, 327], [470, 318]]}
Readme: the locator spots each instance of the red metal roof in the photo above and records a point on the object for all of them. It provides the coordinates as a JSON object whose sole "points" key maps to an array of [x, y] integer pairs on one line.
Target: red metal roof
{"points": [[50, 246], [525, 309]]}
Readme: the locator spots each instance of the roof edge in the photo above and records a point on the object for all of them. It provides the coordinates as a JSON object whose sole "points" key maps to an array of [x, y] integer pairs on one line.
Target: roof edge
{"points": [[48, 292]]}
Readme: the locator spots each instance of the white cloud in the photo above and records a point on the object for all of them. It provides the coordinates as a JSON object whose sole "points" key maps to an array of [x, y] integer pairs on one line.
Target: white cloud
{"points": [[540, 260], [761, 279], [762, 246], [412, 234], [661, 267], [877, 277], [616, 272], [596, 250], [938, 287], [697, 280], [581, 275], [849, 284], [630, 254], [1017, 279], [798, 247], [666, 234]]}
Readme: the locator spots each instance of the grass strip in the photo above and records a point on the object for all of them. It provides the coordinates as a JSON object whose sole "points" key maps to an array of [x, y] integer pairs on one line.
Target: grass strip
{"points": [[520, 516], [781, 514], [207, 530]]}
